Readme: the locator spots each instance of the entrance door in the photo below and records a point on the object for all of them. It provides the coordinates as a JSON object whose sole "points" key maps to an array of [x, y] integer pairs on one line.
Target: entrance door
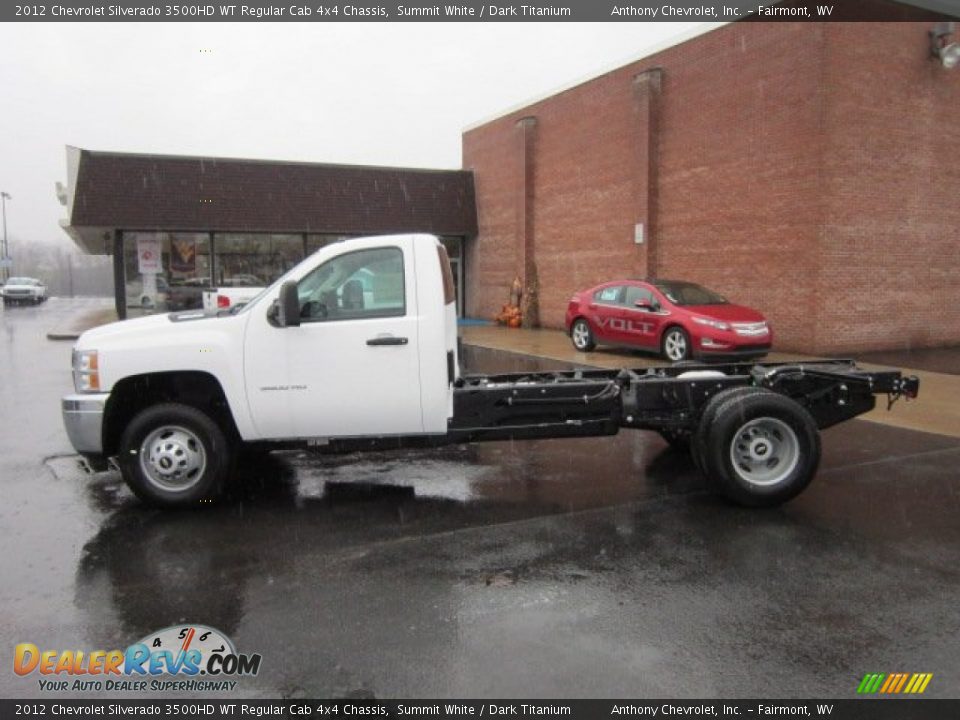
{"points": [[351, 368]]}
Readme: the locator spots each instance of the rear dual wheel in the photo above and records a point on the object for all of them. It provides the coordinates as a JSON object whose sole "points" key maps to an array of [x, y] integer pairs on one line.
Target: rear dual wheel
{"points": [[757, 447]]}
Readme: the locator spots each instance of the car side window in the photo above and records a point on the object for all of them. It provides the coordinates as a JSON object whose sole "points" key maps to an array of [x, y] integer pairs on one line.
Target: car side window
{"points": [[637, 294], [610, 295], [359, 285]]}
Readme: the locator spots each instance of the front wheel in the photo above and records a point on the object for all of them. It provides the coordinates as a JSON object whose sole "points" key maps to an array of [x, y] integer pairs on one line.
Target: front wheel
{"points": [[582, 336], [174, 455], [761, 448], [676, 345]]}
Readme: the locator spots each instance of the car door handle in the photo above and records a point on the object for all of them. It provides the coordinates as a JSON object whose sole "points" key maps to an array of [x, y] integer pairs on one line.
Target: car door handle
{"points": [[387, 340]]}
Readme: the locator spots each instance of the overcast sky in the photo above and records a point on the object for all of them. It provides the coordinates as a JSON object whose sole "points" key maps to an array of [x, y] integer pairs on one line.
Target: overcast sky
{"points": [[378, 94]]}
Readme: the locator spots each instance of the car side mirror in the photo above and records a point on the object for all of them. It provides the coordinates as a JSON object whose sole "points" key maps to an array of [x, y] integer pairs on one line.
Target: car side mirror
{"points": [[288, 305]]}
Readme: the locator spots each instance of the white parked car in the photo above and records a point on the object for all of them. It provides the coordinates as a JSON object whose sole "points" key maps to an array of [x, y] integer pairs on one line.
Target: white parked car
{"points": [[24, 290]]}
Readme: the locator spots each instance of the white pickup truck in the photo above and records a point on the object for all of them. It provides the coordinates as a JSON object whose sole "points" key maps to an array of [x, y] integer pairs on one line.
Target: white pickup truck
{"points": [[356, 348]]}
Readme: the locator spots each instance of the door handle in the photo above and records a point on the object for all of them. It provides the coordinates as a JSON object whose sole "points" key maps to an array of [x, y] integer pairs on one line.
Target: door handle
{"points": [[387, 340]]}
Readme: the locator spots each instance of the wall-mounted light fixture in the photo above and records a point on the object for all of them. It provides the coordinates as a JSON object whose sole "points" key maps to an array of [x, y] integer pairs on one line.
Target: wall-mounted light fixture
{"points": [[943, 46]]}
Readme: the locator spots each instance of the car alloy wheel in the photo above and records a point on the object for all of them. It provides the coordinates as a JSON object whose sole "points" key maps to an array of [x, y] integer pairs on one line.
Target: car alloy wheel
{"points": [[676, 347], [582, 336]]}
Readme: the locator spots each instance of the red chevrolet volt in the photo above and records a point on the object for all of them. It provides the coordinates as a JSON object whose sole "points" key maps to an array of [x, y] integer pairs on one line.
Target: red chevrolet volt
{"points": [[680, 320]]}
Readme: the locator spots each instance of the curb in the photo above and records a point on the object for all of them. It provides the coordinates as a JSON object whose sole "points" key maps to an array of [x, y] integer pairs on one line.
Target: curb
{"points": [[63, 335]]}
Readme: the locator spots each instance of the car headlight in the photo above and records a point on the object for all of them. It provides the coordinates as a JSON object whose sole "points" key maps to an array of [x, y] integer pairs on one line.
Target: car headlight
{"points": [[86, 371], [718, 324]]}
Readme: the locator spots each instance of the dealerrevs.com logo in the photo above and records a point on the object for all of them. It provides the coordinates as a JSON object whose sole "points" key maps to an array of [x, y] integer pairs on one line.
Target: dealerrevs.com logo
{"points": [[177, 658]]}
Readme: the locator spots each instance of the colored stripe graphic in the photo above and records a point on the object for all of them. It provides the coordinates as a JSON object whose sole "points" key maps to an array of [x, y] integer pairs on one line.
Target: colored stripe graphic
{"points": [[894, 683], [903, 680]]}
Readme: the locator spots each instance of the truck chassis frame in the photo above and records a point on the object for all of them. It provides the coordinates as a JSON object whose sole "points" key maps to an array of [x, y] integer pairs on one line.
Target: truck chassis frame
{"points": [[665, 399]]}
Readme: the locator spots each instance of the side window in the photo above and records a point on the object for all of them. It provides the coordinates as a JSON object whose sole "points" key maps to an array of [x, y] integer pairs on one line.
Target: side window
{"points": [[638, 294], [608, 295], [355, 286]]}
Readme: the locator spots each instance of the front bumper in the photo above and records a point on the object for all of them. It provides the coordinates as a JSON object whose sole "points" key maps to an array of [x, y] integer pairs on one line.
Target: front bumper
{"points": [[737, 351], [83, 419]]}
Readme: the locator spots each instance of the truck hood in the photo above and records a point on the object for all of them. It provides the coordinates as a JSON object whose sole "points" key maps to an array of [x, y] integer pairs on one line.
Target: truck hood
{"points": [[130, 330]]}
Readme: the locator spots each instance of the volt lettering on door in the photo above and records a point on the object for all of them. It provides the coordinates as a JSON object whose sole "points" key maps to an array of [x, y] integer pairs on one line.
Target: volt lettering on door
{"points": [[629, 326]]}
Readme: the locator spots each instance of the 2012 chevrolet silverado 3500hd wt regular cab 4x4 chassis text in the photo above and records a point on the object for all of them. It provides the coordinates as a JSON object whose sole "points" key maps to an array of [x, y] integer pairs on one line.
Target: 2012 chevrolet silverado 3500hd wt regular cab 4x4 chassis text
{"points": [[356, 347]]}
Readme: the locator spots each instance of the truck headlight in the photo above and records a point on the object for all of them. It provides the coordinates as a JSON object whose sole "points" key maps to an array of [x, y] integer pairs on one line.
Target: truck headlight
{"points": [[86, 371], [718, 324]]}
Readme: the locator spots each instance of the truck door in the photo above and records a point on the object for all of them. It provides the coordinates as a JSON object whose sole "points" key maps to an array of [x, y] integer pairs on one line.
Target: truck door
{"points": [[351, 367]]}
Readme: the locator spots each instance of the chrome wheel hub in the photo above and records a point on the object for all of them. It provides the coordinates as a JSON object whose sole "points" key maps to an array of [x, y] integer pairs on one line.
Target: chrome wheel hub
{"points": [[764, 451], [675, 345], [172, 458], [581, 335]]}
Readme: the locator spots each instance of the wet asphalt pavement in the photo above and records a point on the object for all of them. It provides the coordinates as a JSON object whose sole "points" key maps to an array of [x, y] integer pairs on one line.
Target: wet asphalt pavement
{"points": [[575, 568]]}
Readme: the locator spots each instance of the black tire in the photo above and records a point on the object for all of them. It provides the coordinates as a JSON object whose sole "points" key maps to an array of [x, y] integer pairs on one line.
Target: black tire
{"points": [[679, 441], [581, 329], [762, 448], [676, 337], [172, 435]]}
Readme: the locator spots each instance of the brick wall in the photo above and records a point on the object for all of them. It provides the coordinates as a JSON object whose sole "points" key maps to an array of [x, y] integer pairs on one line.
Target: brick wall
{"points": [[890, 246], [759, 183]]}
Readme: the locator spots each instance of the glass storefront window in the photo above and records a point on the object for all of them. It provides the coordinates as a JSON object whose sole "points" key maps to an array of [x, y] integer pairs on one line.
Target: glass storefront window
{"points": [[254, 260], [165, 271], [169, 271]]}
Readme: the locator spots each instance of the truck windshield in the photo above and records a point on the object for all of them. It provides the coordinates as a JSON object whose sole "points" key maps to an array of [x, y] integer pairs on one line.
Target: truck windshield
{"points": [[684, 293]]}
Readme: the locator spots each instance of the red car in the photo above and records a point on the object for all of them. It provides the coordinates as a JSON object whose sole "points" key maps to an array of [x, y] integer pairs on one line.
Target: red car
{"points": [[680, 320]]}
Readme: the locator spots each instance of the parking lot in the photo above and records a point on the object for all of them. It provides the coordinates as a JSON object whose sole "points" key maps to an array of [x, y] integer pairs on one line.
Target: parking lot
{"points": [[573, 568]]}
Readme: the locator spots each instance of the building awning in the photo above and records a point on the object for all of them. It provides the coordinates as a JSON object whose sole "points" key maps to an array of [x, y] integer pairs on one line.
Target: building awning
{"points": [[126, 191]]}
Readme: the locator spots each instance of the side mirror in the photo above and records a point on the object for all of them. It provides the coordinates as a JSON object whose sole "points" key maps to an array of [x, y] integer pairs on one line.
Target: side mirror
{"points": [[288, 305]]}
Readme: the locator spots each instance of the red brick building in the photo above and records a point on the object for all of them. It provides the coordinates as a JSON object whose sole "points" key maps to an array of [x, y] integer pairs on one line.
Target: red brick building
{"points": [[811, 170]]}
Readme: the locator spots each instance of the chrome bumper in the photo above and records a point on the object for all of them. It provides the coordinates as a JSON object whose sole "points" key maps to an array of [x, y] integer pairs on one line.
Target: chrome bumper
{"points": [[83, 419]]}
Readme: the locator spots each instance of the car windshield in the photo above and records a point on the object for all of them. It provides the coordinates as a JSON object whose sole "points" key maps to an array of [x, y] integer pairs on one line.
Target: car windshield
{"points": [[20, 281], [684, 293]]}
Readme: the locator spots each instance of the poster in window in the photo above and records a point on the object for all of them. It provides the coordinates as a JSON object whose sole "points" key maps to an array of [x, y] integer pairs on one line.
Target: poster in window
{"points": [[183, 255], [148, 254]]}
